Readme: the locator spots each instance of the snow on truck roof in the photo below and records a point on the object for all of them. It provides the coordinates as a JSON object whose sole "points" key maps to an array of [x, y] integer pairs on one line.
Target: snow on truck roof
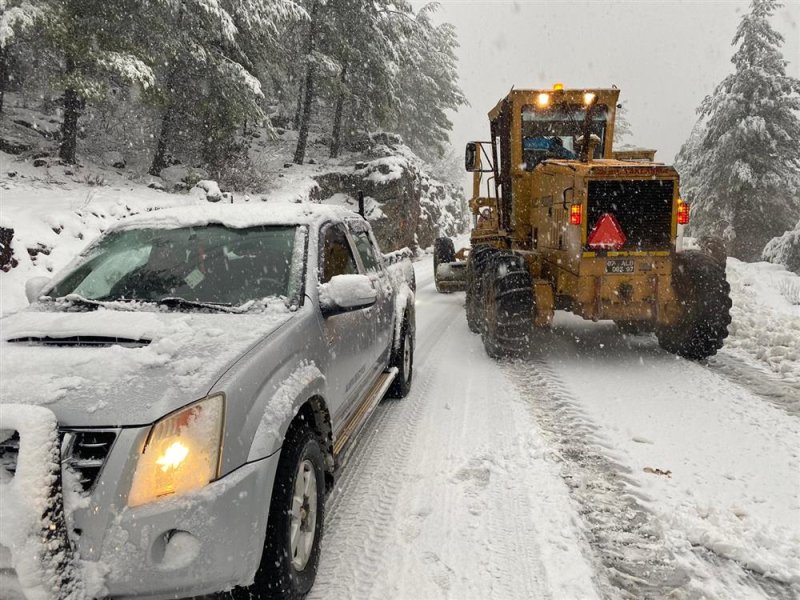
{"points": [[237, 216]]}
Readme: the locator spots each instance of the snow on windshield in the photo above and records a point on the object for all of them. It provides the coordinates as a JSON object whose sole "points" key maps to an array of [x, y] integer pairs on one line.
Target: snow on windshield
{"points": [[213, 264]]}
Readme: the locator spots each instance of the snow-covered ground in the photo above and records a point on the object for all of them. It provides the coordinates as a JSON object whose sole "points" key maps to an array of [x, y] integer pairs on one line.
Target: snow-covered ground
{"points": [[601, 466]]}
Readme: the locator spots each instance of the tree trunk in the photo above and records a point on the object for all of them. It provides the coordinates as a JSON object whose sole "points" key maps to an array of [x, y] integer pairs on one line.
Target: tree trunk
{"points": [[308, 96], [337, 116], [160, 158], [3, 75], [69, 126], [298, 111]]}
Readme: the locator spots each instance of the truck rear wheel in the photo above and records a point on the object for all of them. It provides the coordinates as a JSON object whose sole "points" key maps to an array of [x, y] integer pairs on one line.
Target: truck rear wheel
{"points": [[703, 291], [444, 251], [476, 264], [509, 307]]}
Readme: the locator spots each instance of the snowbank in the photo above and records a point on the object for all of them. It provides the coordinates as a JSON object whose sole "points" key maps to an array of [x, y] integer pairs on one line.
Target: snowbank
{"points": [[765, 316], [785, 250]]}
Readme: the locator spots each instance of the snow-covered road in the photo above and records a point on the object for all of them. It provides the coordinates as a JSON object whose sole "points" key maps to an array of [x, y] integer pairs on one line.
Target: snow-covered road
{"points": [[600, 466]]}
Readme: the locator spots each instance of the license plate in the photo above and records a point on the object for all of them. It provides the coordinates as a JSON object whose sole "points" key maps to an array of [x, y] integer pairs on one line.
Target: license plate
{"points": [[619, 266]]}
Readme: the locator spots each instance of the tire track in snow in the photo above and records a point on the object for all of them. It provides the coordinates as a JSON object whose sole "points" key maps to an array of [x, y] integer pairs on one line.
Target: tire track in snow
{"points": [[782, 394], [633, 562], [361, 508], [627, 538]]}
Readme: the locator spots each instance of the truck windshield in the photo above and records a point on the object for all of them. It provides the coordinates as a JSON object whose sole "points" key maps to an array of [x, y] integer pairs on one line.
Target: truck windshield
{"points": [[552, 132], [212, 264]]}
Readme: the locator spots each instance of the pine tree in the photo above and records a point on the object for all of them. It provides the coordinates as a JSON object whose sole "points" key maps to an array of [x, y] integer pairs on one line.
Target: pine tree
{"points": [[15, 18], [427, 84], [741, 168], [99, 48], [622, 127]]}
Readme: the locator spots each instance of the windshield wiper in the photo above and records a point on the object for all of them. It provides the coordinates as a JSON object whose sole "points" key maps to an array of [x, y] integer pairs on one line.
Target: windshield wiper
{"points": [[78, 300], [178, 302]]}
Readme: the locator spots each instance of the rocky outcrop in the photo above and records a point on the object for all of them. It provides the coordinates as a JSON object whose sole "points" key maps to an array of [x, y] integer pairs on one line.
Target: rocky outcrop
{"points": [[404, 203]]}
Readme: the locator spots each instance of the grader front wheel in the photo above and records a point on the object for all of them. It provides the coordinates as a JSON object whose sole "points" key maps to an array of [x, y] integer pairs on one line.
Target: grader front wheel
{"points": [[509, 308]]}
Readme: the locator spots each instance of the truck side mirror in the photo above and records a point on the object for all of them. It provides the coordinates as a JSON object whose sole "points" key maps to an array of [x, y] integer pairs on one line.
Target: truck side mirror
{"points": [[345, 293], [34, 287], [470, 155]]}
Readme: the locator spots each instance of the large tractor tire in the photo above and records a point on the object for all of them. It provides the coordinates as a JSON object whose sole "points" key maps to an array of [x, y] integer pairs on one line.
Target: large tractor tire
{"points": [[476, 264], [444, 251], [508, 306], [701, 288]]}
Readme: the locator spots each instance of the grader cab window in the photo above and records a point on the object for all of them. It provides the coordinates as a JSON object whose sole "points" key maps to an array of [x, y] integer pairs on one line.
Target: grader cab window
{"points": [[553, 132]]}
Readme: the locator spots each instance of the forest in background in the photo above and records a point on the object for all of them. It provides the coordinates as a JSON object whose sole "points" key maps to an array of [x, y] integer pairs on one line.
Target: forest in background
{"points": [[194, 81]]}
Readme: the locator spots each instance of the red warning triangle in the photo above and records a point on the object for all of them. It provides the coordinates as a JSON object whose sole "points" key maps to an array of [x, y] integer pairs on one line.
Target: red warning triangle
{"points": [[607, 234]]}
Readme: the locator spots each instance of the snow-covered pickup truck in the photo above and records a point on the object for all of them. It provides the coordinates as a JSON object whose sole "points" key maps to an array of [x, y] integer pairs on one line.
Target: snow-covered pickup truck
{"points": [[189, 386]]}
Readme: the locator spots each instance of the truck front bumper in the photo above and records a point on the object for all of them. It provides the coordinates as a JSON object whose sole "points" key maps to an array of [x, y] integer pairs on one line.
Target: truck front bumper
{"points": [[203, 542]]}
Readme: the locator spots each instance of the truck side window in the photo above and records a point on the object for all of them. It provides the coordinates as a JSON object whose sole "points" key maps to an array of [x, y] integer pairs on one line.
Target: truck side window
{"points": [[336, 257], [372, 263]]}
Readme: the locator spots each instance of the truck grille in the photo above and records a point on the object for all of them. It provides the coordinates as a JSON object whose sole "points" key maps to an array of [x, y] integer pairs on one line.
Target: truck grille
{"points": [[83, 451], [642, 208]]}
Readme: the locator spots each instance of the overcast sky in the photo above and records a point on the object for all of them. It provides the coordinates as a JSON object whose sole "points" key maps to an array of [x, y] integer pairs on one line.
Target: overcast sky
{"points": [[665, 56]]}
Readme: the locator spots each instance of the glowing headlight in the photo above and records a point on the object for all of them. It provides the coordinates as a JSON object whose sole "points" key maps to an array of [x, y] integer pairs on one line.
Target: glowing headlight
{"points": [[181, 453], [543, 100]]}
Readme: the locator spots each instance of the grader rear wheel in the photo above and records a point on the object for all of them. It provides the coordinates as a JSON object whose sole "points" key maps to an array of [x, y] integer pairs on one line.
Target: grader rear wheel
{"points": [[704, 293]]}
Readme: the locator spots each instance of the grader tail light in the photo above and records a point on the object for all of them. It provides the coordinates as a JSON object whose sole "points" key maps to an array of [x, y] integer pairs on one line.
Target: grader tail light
{"points": [[683, 212], [576, 214]]}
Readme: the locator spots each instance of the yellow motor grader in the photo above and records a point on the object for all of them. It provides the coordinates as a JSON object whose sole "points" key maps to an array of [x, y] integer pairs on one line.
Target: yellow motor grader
{"points": [[562, 222]]}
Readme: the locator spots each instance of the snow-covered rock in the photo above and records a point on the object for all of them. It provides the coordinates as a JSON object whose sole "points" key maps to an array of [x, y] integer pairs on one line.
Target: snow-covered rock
{"points": [[114, 159], [405, 204], [209, 190], [179, 177]]}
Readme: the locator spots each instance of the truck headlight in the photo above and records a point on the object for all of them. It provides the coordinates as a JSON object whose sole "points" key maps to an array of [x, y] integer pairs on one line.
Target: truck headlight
{"points": [[181, 452]]}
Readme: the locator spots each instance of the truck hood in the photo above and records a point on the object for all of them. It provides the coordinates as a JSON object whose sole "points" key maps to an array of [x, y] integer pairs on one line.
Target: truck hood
{"points": [[118, 368]]}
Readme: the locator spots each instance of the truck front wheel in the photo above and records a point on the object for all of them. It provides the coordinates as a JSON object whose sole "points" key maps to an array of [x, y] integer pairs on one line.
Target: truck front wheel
{"points": [[294, 530]]}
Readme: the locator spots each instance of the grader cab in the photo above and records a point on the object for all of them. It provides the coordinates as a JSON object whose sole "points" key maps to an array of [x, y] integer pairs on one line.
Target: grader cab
{"points": [[562, 222]]}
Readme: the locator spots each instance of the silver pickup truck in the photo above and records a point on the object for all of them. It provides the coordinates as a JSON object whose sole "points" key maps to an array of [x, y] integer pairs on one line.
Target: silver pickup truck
{"points": [[175, 404]]}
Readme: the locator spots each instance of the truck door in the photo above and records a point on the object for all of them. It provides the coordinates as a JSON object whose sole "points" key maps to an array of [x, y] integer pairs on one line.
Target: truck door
{"points": [[348, 335], [383, 311]]}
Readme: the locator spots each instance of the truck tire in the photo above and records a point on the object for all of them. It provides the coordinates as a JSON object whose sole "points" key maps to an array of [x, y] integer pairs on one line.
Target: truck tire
{"points": [[703, 291], [288, 570], [509, 306], [476, 263], [403, 359], [444, 251]]}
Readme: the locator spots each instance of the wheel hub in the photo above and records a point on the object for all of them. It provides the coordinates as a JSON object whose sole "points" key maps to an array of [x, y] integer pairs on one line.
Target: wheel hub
{"points": [[303, 520]]}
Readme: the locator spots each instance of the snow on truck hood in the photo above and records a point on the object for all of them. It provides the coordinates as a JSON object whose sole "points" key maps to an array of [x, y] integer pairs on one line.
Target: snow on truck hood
{"points": [[162, 361]]}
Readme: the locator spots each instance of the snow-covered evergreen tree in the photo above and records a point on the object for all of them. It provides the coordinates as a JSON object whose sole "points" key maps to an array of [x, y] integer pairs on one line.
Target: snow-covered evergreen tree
{"points": [[428, 85], [207, 81], [98, 48], [741, 168], [15, 17]]}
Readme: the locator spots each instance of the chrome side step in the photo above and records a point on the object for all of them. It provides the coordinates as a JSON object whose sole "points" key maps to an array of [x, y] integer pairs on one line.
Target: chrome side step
{"points": [[362, 413]]}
